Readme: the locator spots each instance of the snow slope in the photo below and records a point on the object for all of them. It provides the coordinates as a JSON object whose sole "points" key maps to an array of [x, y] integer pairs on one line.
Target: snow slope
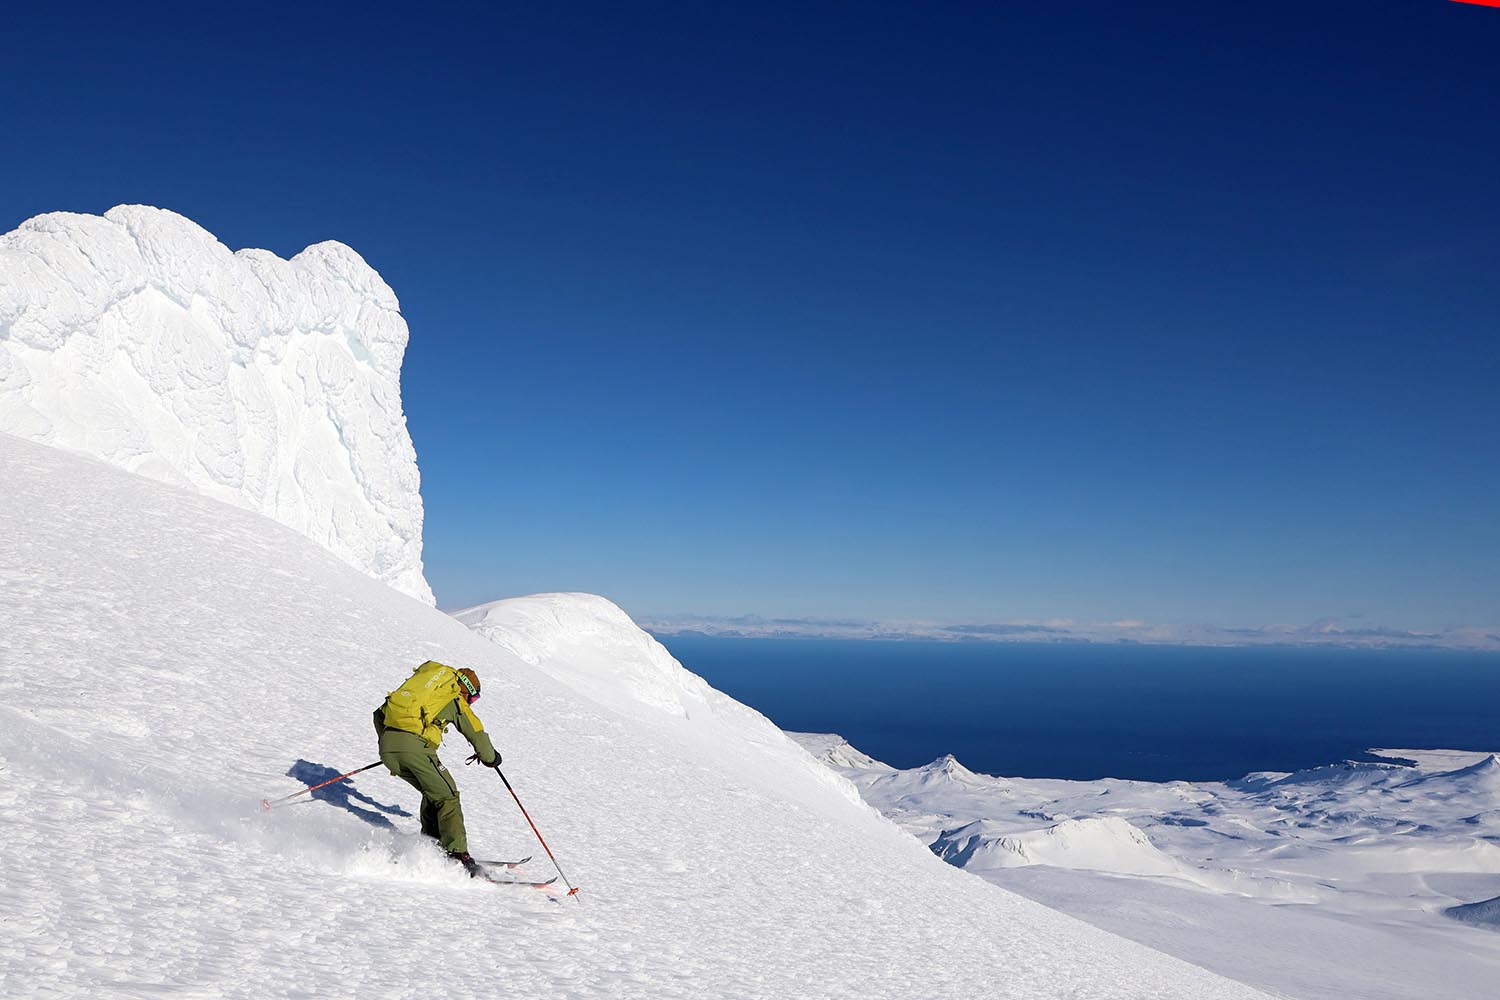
{"points": [[139, 338], [1329, 882], [166, 660], [593, 647]]}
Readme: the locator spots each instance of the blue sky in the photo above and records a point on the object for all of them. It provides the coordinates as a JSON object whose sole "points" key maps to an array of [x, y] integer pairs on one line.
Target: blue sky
{"points": [[976, 312]]}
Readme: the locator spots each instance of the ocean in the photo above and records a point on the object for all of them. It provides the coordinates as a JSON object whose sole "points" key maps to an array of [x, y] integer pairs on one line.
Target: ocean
{"points": [[1089, 711]]}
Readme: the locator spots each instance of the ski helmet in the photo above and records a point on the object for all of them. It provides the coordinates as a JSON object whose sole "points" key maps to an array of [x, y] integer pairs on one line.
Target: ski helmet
{"points": [[470, 680]]}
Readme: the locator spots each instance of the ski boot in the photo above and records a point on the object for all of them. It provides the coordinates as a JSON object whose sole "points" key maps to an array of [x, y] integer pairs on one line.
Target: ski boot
{"points": [[470, 865]]}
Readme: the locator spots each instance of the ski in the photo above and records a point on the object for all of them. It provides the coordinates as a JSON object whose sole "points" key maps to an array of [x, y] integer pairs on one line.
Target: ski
{"points": [[495, 880], [502, 864]]}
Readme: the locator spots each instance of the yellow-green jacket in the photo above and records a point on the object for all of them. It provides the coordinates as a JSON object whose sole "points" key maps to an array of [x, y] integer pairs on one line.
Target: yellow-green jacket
{"points": [[426, 705]]}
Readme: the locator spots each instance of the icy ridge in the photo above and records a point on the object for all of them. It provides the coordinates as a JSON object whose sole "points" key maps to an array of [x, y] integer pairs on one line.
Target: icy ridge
{"points": [[138, 338]]}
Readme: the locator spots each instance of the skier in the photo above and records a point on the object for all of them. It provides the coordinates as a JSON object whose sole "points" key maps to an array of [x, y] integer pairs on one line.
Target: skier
{"points": [[411, 724]]}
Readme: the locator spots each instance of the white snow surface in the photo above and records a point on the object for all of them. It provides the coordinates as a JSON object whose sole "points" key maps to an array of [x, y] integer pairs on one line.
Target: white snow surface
{"points": [[592, 646], [274, 385], [1350, 880], [166, 660]]}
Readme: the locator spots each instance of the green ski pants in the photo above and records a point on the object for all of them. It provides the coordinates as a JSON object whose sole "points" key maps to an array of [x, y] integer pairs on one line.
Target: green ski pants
{"points": [[442, 816]]}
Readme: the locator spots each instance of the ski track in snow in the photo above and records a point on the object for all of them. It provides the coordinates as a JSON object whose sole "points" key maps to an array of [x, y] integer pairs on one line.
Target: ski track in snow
{"points": [[165, 659]]}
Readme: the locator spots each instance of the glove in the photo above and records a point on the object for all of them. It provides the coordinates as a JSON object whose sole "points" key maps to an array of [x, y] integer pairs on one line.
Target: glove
{"points": [[475, 757]]}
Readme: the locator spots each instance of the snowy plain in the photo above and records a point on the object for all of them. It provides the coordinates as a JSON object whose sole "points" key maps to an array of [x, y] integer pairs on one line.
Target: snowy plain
{"points": [[167, 660], [1376, 881]]}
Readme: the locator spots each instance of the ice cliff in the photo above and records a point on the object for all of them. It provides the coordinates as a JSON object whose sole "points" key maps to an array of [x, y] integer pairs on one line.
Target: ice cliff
{"points": [[140, 339]]}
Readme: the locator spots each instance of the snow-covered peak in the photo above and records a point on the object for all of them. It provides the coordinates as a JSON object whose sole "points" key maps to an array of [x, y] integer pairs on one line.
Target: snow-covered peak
{"points": [[944, 777], [835, 751], [591, 646], [138, 338], [1473, 781], [1488, 768], [947, 766], [594, 646]]}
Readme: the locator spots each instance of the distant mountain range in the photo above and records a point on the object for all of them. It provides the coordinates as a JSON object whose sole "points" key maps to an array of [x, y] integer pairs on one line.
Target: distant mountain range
{"points": [[1342, 880]]}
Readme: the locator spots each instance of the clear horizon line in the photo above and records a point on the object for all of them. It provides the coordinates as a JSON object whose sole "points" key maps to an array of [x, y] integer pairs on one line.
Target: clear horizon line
{"points": [[1327, 632]]}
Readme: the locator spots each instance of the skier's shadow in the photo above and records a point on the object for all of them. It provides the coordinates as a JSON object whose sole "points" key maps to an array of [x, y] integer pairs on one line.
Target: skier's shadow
{"points": [[344, 794]]}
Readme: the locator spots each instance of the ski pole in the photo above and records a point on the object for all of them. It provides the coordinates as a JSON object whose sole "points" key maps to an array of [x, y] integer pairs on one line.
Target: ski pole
{"points": [[572, 889], [266, 804]]}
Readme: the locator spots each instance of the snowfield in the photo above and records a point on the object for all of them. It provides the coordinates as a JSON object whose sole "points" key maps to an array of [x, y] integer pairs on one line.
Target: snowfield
{"points": [[138, 338], [167, 660], [1340, 881]]}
